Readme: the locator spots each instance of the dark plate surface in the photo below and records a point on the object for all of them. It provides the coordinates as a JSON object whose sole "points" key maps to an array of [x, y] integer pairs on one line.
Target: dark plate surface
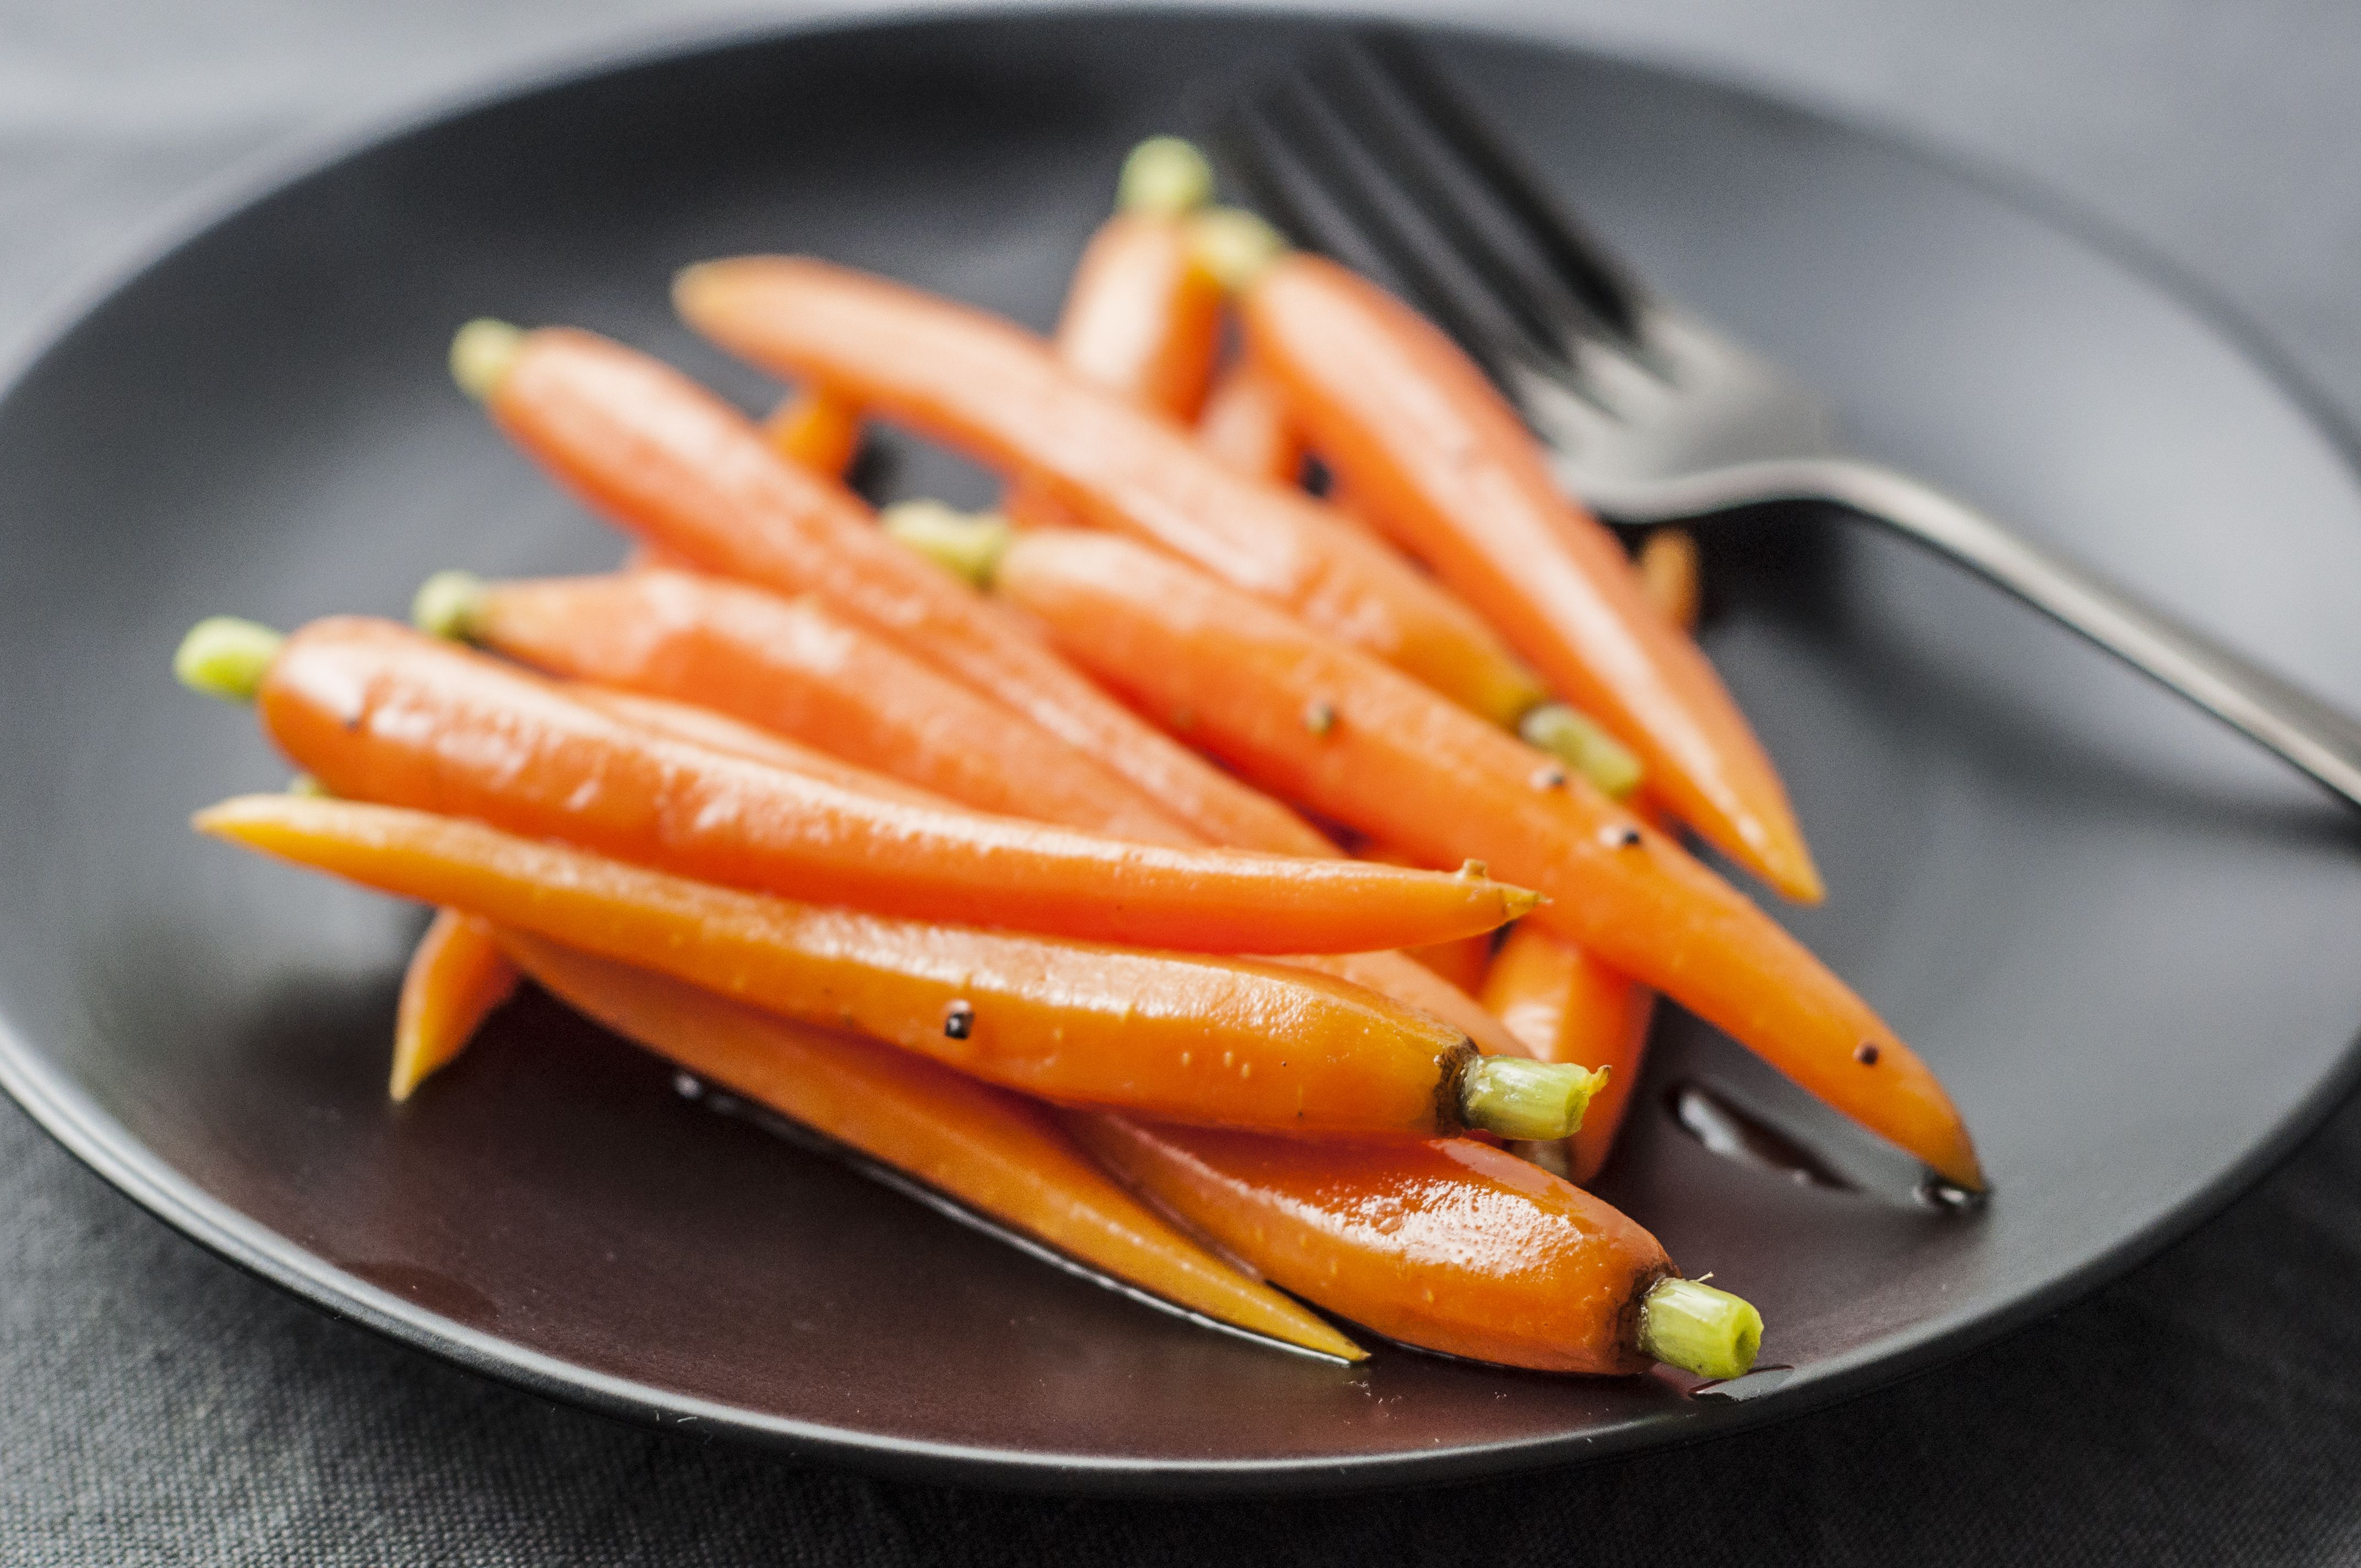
{"points": [[2131, 946]]}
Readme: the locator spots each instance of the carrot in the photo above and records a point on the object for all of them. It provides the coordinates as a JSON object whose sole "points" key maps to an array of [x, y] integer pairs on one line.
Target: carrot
{"points": [[1143, 316], [702, 726], [816, 430], [375, 711], [1565, 1005], [1446, 465], [1221, 1040], [1669, 571], [458, 974], [1390, 759], [1398, 977], [653, 452], [1244, 425], [997, 392], [801, 671], [996, 1153], [1444, 1244]]}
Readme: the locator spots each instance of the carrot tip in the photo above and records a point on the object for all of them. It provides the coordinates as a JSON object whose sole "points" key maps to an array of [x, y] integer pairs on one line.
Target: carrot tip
{"points": [[1518, 902], [967, 546], [1165, 176], [225, 657], [449, 605], [1692, 1326], [481, 353], [1235, 245]]}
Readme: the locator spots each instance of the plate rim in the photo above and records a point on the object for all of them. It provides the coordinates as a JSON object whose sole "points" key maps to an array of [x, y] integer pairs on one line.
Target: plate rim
{"points": [[59, 1107]]}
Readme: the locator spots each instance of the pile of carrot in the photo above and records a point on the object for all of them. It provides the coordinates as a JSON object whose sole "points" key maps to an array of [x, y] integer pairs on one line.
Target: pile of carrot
{"points": [[1260, 896]]}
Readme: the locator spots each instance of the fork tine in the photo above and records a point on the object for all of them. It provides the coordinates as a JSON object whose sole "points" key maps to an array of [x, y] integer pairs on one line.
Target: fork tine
{"points": [[1596, 275]]}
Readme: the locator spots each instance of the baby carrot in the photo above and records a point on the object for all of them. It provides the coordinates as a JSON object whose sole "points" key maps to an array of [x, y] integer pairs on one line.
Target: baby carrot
{"points": [[716, 731], [458, 974], [997, 1152], [1196, 1038], [1439, 457], [1444, 1244], [1398, 977], [1566, 1005], [796, 668], [1669, 571], [1321, 723], [1245, 426], [999, 393], [817, 429], [375, 711], [1143, 317], [667, 461]]}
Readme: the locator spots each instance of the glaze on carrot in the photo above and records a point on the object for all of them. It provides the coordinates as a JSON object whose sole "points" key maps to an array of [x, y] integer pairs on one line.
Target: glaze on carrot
{"points": [[796, 668], [1218, 1040], [997, 392], [1444, 1244], [458, 975], [377, 712], [997, 1152], [1565, 1005], [1437, 456], [820, 431], [1390, 759], [662, 458]]}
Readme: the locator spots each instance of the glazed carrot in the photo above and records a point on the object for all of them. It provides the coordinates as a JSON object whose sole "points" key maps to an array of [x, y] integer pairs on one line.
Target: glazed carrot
{"points": [[1444, 1244], [996, 1153], [377, 712], [1566, 1005], [795, 668], [1244, 425], [819, 430], [1390, 759], [1445, 464], [998, 393], [1143, 316], [654, 453], [1398, 977], [458, 974], [1669, 571], [686, 721], [1196, 1038]]}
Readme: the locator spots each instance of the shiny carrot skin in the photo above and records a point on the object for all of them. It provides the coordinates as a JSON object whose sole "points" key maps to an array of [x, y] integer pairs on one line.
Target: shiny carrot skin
{"points": [[819, 431], [1565, 1005], [377, 712], [458, 975], [1244, 425], [995, 391], [1393, 761], [1443, 463], [719, 732], [796, 668], [1226, 1041], [1143, 316], [997, 1152], [660, 457], [1401, 978], [1446, 1243]]}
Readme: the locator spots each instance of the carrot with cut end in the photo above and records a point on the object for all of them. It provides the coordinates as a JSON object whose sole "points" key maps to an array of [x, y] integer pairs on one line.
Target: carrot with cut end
{"points": [[1392, 761], [817, 429], [795, 668], [377, 712], [1436, 455], [1189, 1037], [665, 460], [458, 975], [995, 1152], [1244, 425], [1565, 1005], [990, 388], [1444, 1244]]}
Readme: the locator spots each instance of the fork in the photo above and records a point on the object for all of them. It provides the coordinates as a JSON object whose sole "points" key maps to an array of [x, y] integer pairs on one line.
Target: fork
{"points": [[1648, 412]]}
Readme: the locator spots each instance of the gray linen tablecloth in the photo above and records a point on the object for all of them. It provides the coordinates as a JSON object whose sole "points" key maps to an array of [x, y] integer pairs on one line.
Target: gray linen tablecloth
{"points": [[157, 1407]]}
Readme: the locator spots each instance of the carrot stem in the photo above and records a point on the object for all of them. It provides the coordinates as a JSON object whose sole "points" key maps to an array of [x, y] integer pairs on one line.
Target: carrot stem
{"points": [[1700, 1329], [225, 657]]}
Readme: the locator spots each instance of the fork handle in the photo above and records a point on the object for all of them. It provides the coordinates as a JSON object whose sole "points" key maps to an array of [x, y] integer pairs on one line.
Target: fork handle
{"points": [[2299, 727]]}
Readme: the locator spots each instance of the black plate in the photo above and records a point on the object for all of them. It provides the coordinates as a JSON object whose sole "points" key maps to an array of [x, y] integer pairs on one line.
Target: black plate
{"points": [[2132, 946]]}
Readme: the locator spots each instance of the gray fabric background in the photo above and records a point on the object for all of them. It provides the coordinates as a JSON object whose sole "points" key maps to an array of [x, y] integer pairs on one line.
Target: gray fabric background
{"points": [[157, 1407]]}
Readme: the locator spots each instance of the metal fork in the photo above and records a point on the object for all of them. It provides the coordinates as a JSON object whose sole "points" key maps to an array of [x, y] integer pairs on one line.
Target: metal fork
{"points": [[1649, 413]]}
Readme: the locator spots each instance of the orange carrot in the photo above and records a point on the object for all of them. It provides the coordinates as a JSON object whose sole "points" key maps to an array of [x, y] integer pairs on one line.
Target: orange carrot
{"points": [[458, 975], [997, 392], [1388, 759], [647, 448], [1400, 978], [1143, 316], [1245, 426], [820, 431], [996, 1153], [1567, 1006], [1224, 1041], [379, 712], [795, 668], [1669, 571], [1446, 1243], [702, 726], [1439, 457]]}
